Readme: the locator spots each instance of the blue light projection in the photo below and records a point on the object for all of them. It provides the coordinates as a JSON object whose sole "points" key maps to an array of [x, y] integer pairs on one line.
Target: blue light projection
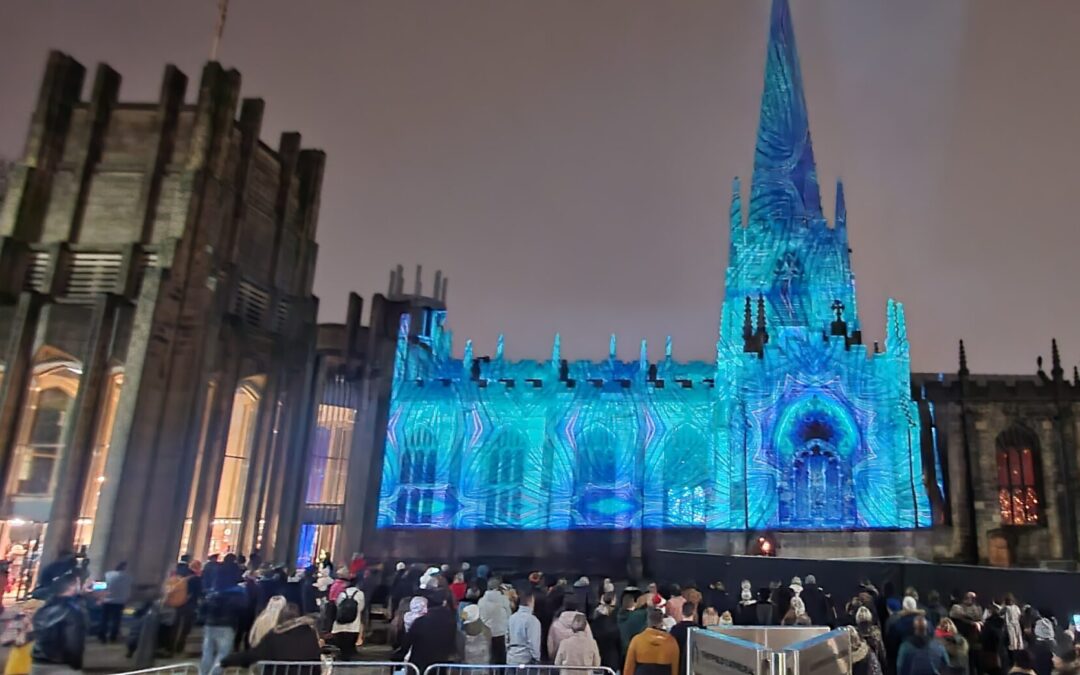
{"points": [[795, 425]]}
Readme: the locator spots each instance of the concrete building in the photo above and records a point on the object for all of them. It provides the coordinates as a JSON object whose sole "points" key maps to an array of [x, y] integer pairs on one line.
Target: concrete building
{"points": [[157, 325]]}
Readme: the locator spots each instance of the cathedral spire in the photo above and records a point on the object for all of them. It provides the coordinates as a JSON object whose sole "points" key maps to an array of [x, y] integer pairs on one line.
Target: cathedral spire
{"points": [[785, 178]]}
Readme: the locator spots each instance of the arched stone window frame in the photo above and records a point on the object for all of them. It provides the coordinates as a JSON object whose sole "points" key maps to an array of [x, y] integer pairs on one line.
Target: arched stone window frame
{"points": [[1018, 475]]}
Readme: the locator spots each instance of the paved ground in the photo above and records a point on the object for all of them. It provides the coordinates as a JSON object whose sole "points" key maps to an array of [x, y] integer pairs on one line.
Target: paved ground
{"points": [[112, 658]]}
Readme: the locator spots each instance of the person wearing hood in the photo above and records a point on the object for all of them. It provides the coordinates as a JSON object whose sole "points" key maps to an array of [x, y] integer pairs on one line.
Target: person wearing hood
{"points": [[949, 651], [523, 633], [796, 614], [605, 628], [432, 638], [710, 618], [59, 628], [871, 634], [474, 638], [782, 595], [495, 613], [579, 649], [744, 614], [915, 657], [1044, 646], [681, 633], [294, 639], [399, 585], [900, 625], [563, 625], [586, 597], [633, 617], [863, 659], [652, 651], [818, 605]]}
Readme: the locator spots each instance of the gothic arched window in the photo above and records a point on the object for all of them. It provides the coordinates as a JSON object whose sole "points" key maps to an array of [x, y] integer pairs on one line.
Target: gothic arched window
{"points": [[1019, 498], [506, 471]]}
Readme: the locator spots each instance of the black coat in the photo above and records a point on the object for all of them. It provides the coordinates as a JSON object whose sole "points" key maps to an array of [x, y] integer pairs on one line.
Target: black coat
{"points": [[680, 631], [293, 641], [817, 605], [432, 638], [605, 630], [60, 632]]}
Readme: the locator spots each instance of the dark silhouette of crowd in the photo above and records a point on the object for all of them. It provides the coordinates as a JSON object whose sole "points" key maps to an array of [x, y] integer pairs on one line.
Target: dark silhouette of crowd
{"points": [[438, 614]]}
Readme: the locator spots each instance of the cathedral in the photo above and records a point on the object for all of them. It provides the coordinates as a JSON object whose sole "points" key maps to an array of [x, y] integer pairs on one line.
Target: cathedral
{"points": [[165, 388], [796, 424]]}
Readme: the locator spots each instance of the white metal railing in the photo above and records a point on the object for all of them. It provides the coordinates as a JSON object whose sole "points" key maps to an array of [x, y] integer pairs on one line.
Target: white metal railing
{"points": [[171, 669], [531, 669], [328, 666]]}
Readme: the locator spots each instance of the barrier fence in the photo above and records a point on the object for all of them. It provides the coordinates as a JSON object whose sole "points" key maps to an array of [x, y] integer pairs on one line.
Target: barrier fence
{"points": [[768, 651], [172, 669], [525, 669], [328, 667]]}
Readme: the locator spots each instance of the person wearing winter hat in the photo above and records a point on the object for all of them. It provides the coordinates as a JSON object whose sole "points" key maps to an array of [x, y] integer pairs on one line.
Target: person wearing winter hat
{"points": [[579, 648], [949, 651], [726, 620], [796, 614], [863, 659], [474, 638]]}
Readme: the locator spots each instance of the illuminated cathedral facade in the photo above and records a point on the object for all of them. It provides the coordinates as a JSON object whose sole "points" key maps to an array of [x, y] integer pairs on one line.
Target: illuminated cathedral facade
{"points": [[795, 425]]}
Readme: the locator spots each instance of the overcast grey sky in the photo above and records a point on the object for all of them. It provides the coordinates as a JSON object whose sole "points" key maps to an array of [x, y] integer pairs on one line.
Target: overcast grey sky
{"points": [[568, 162]]}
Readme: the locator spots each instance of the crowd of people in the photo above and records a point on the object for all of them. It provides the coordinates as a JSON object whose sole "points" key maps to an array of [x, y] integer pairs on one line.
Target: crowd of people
{"points": [[251, 612]]}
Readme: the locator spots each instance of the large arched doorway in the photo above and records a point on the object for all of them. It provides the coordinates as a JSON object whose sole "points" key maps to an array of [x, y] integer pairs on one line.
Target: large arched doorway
{"points": [[816, 440]]}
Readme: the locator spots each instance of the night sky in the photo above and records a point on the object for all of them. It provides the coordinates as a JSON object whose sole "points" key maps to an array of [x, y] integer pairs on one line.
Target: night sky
{"points": [[568, 163]]}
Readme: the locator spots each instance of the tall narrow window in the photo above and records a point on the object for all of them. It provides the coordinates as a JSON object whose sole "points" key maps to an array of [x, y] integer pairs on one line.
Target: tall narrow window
{"points": [[41, 431], [686, 474], [506, 468], [232, 490], [1018, 487]]}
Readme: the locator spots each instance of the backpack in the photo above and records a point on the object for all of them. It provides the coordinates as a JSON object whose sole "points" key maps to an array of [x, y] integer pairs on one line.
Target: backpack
{"points": [[176, 591], [348, 609]]}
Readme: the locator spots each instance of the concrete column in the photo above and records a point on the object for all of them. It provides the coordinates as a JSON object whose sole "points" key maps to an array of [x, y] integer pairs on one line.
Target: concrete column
{"points": [[299, 461], [102, 102], [30, 184], [81, 432]]}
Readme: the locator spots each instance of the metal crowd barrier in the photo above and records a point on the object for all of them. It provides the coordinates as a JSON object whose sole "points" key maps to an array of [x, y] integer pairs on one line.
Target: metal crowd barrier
{"points": [[329, 667], [530, 669], [768, 651], [172, 669]]}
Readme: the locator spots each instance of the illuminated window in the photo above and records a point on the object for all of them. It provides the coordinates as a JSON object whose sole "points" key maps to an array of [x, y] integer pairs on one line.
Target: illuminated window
{"points": [[232, 490], [330, 455], [41, 431], [419, 464], [1018, 486]]}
